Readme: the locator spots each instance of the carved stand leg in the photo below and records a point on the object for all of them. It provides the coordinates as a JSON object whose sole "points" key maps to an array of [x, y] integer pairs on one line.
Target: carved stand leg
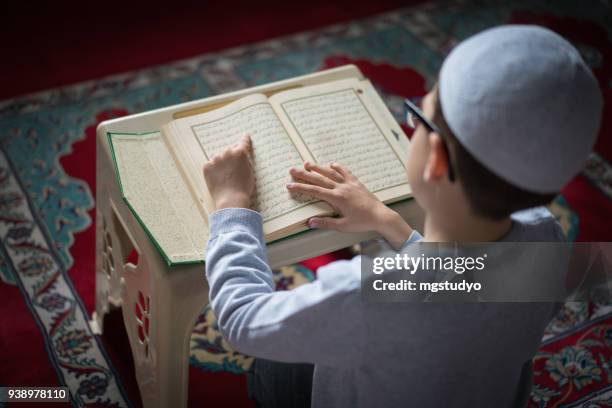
{"points": [[159, 304]]}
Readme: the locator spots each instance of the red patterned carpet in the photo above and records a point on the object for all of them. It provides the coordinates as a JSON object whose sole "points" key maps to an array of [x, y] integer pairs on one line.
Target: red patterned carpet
{"points": [[47, 169]]}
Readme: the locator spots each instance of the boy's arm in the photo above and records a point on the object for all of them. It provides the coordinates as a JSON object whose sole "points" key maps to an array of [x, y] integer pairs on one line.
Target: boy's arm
{"points": [[287, 326], [318, 322]]}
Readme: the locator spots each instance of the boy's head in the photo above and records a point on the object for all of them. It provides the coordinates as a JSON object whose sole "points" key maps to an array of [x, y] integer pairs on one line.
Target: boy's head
{"points": [[517, 111]]}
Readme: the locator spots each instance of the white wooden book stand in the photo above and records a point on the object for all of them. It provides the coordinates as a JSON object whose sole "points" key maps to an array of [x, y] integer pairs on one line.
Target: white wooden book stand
{"points": [[160, 303]]}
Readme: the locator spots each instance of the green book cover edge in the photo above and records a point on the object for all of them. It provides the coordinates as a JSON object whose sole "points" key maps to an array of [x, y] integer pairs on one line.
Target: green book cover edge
{"points": [[147, 231]]}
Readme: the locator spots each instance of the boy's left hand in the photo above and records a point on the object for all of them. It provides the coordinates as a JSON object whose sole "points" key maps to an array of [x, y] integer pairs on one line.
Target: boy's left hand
{"points": [[230, 177], [359, 209]]}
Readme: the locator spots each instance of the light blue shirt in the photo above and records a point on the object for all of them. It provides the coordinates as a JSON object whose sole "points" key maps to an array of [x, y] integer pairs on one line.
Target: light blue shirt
{"points": [[373, 354]]}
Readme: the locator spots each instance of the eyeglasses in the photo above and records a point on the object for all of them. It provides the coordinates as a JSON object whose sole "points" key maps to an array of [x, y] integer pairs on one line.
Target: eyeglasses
{"points": [[414, 116]]}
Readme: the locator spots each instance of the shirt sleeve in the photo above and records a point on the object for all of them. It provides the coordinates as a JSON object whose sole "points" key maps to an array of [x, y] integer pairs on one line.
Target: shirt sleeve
{"points": [[381, 247], [291, 326], [414, 237]]}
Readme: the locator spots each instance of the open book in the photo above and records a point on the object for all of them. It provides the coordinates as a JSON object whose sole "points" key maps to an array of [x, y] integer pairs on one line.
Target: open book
{"points": [[344, 121]]}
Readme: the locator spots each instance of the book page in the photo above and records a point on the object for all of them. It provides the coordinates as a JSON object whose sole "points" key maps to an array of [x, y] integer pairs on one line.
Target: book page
{"points": [[385, 114], [274, 153], [154, 189], [336, 123]]}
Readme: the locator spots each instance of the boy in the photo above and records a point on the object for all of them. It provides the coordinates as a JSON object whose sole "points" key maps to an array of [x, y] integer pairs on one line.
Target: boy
{"points": [[512, 119]]}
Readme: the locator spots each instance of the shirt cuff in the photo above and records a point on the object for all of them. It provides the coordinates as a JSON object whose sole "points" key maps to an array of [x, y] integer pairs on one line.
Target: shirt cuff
{"points": [[236, 220], [414, 237]]}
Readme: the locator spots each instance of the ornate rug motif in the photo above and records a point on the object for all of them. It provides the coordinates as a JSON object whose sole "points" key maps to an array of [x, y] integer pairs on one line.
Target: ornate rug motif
{"points": [[75, 352], [42, 207]]}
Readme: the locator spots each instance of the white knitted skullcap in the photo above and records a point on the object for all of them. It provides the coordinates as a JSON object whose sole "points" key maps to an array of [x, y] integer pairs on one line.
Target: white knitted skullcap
{"points": [[522, 101]]}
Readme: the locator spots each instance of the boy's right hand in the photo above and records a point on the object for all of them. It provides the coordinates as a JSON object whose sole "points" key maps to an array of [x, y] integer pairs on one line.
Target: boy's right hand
{"points": [[230, 177], [359, 209]]}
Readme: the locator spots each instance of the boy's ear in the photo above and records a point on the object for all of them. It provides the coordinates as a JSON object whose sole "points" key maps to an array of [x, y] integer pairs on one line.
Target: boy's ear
{"points": [[437, 161]]}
